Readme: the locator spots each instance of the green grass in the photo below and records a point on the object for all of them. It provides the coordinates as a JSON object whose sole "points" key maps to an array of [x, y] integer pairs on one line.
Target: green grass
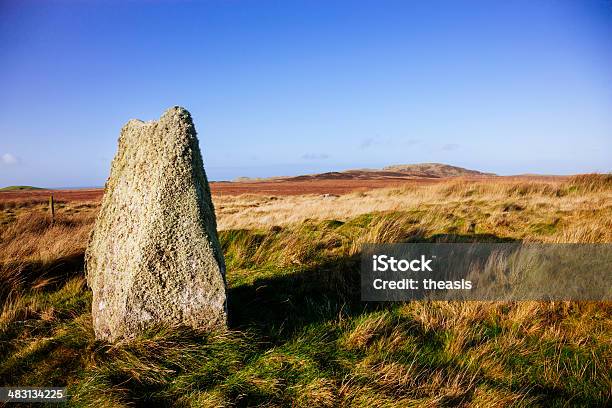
{"points": [[300, 336]]}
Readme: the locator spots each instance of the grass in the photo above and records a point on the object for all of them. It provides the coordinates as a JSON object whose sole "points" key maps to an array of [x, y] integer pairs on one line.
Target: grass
{"points": [[299, 334]]}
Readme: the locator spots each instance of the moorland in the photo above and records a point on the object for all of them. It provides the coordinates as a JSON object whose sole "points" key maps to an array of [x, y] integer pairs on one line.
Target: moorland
{"points": [[299, 334]]}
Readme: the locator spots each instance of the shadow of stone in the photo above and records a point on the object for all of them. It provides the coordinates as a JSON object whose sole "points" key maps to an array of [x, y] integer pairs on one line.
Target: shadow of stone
{"points": [[289, 302], [278, 306]]}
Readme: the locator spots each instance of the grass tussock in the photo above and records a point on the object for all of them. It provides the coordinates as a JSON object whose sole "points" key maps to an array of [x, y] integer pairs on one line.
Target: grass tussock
{"points": [[594, 182], [299, 333]]}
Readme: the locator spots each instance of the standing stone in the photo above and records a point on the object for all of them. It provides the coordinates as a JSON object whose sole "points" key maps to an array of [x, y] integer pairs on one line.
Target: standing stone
{"points": [[154, 256]]}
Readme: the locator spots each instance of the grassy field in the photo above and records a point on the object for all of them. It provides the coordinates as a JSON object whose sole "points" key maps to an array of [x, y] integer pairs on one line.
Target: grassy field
{"points": [[299, 334]]}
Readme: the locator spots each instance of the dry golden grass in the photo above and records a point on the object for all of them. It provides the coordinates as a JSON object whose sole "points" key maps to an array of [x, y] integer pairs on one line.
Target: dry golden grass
{"points": [[34, 236], [36, 252], [580, 209]]}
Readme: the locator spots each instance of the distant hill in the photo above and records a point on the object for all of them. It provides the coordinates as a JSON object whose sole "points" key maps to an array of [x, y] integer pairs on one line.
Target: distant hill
{"points": [[400, 171], [19, 188], [437, 170]]}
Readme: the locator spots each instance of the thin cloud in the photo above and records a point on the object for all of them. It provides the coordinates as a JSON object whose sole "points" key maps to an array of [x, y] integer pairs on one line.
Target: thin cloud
{"points": [[315, 156], [365, 143], [378, 141], [373, 141], [8, 159], [450, 147]]}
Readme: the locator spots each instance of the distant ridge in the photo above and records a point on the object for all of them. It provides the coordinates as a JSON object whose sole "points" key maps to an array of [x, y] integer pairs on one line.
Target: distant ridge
{"points": [[20, 188], [399, 171], [435, 170]]}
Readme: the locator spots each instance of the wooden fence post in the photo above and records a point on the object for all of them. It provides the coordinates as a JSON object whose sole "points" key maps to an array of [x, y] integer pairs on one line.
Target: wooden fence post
{"points": [[52, 209]]}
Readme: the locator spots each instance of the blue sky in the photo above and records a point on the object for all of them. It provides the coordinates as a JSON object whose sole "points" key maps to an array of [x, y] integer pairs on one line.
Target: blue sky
{"points": [[290, 87]]}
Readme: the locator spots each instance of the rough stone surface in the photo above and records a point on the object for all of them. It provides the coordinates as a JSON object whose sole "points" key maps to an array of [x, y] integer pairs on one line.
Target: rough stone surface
{"points": [[154, 256]]}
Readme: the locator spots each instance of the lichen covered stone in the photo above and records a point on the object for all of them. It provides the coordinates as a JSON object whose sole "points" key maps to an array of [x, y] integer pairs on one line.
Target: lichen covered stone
{"points": [[154, 256]]}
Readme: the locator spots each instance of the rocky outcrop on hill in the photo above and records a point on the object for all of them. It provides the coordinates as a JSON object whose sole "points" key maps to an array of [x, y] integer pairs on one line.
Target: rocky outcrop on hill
{"points": [[437, 170]]}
